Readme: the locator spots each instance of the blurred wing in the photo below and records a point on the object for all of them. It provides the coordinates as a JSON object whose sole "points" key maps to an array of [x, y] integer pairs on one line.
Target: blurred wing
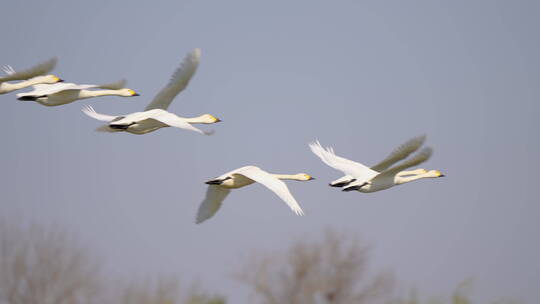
{"points": [[419, 158], [272, 183], [40, 69], [177, 122], [88, 110], [349, 167], [400, 153], [212, 202], [112, 86], [178, 82]]}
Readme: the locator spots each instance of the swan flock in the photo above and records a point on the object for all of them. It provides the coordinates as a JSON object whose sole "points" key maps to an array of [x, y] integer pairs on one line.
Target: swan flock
{"points": [[50, 90]]}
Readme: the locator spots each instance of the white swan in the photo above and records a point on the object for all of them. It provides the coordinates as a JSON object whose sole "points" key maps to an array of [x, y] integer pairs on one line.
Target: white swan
{"points": [[400, 153], [221, 186], [148, 121], [365, 179], [156, 116], [63, 93], [32, 76]]}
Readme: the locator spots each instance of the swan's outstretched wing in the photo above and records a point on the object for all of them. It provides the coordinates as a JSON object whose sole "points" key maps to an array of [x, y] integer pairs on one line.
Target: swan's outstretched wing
{"points": [[175, 121], [120, 84], [40, 69], [178, 82], [400, 153], [212, 202], [349, 167], [272, 183], [88, 110], [417, 159]]}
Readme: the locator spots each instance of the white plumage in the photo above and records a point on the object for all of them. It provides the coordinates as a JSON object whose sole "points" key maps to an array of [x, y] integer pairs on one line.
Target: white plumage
{"points": [[32, 76], [156, 115], [221, 186], [364, 179], [63, 93]]}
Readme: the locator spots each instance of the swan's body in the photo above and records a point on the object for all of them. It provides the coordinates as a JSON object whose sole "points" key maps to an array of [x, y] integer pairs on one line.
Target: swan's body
{"points": [[156, 115], [148, 121], [33, 76], [364, 179], [221, 186], [63, 93]]}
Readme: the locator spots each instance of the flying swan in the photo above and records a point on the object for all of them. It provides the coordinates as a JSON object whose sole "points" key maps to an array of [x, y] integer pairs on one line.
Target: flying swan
{"points": [[220, 187], [400, 153], [32, 76], [63, 93], [381, 176], [156, 116]]}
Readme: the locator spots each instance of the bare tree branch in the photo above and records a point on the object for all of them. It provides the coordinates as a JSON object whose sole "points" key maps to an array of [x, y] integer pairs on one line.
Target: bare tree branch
{"points": [[332, 271], [44, 266]]}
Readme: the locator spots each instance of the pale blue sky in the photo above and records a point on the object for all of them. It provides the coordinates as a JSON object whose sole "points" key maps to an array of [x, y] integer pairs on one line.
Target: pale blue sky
{"points": [[362, 76]]}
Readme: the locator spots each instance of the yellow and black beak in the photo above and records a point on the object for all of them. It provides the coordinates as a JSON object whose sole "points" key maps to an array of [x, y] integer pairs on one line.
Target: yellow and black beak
{"points": [[133, 93]]}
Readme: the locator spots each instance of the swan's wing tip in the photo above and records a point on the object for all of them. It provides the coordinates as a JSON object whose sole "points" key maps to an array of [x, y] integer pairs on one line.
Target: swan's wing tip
{"points": [[427, 151]]}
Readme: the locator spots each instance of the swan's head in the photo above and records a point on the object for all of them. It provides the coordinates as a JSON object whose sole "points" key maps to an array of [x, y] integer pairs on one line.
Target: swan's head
{"points": [[47, 79], [304, 177], [434, 173], [127, 92], [208, 119]]}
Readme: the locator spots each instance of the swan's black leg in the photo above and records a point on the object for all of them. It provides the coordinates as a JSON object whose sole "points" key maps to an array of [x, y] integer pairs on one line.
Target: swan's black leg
{"points": [[30, 98], [342, 184], [217, 181], [352, 188]]}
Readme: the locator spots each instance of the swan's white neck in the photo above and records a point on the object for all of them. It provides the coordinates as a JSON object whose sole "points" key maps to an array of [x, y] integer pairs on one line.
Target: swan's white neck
{"points": [[406, 179], [6, 87], [288, 177], [203, 119], [89, 94], [412, 172]]}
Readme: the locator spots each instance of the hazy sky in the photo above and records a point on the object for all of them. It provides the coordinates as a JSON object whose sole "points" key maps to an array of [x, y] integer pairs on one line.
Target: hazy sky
{"points": [[362, 76]]}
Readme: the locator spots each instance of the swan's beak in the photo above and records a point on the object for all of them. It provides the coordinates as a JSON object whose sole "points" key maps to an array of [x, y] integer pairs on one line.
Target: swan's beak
{"points": [[133, 93], [442, 175], [218, 120], [311, 178], [60, 80]]}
